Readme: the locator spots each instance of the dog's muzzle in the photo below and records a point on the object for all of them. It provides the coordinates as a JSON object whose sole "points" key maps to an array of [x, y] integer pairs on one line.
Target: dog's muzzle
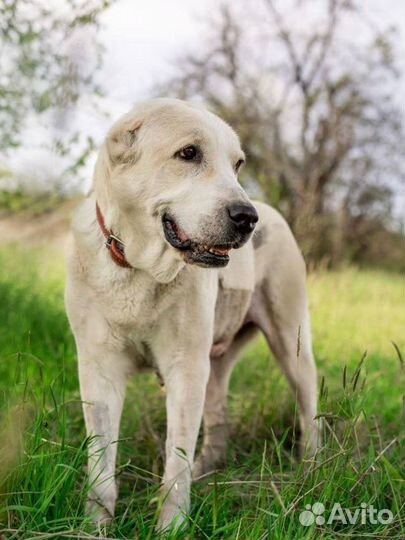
{"points": [[241, 221]]}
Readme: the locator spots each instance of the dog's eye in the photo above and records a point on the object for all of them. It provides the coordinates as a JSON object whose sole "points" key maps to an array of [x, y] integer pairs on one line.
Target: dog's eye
{"points": [[239, 164], [189, 153]]}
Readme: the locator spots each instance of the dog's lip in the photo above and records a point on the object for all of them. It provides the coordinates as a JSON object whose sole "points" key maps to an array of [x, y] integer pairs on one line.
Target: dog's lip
{"points": [[215, 255], [174, 235]]}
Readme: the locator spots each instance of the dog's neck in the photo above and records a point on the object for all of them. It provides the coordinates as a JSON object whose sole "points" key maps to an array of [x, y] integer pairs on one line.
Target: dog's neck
{"points": [[114, 244], [156, 260]]}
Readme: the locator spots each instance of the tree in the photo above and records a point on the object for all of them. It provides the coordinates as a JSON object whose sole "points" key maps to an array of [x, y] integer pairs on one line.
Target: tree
{"points": [[314, 111], [41, 72]]}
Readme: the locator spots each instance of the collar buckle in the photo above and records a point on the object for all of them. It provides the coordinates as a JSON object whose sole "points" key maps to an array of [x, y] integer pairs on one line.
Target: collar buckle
{"points": [[111, 238], [115, 245]]}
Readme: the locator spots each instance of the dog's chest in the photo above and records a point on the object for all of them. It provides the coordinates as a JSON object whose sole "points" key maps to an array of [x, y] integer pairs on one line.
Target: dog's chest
{"points": [[236, 285], [133, 308], [230, 311]]}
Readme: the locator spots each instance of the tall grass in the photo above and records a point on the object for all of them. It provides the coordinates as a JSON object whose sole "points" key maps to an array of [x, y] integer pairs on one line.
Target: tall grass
{"points": [[357, 316]]}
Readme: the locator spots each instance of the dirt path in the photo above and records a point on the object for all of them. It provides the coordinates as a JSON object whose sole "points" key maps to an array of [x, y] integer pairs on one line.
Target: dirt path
{"points": [[51, 227]]}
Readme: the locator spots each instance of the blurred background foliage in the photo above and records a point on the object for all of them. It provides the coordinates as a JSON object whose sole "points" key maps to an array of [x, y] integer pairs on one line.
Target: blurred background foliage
{"points": [[43, 71], [314, 106]]}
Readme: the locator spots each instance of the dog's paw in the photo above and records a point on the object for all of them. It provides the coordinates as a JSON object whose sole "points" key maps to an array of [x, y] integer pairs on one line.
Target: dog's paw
{"points": [[171, 518], [311, 441], [207, 462], [99, 514], [211, 458], [200, 468]]}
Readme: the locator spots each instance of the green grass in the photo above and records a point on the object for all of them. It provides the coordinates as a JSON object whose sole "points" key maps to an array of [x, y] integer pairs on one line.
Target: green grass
{"points": [[18, 202], [263, 488]]}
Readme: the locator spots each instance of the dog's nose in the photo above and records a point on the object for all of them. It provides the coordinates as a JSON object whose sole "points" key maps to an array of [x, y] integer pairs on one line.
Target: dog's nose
{"points": [[243, 216]]}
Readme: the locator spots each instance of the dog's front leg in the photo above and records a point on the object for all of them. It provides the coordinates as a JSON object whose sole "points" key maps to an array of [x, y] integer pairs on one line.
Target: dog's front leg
{"points": [[103, 375], [185, 371], [185, 382]]}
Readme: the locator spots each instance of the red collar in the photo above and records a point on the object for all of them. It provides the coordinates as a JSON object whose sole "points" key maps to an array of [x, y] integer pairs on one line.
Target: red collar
{"points": [[113, 243]]}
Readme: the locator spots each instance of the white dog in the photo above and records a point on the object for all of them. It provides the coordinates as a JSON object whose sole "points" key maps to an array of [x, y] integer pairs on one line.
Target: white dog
{"points": [[164, 272]]}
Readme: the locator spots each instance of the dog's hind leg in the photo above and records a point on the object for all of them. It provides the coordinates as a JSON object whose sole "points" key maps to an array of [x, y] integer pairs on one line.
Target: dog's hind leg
{"points": [[103, 375], [281, 312], [215, 412]]}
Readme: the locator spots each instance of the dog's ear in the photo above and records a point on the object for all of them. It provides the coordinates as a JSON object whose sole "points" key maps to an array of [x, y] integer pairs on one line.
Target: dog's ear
{"points": [[121, 141]]}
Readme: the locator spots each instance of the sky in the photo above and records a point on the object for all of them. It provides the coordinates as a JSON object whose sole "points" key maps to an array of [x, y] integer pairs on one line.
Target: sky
{"points": [[142, 39]]}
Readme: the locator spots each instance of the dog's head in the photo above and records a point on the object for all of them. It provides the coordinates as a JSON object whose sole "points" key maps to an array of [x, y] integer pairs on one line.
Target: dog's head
{"points": [[167, 178]]}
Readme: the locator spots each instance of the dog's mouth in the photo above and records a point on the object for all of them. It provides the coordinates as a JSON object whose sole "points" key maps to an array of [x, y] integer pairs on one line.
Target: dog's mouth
{"points": [[195, 252]]}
